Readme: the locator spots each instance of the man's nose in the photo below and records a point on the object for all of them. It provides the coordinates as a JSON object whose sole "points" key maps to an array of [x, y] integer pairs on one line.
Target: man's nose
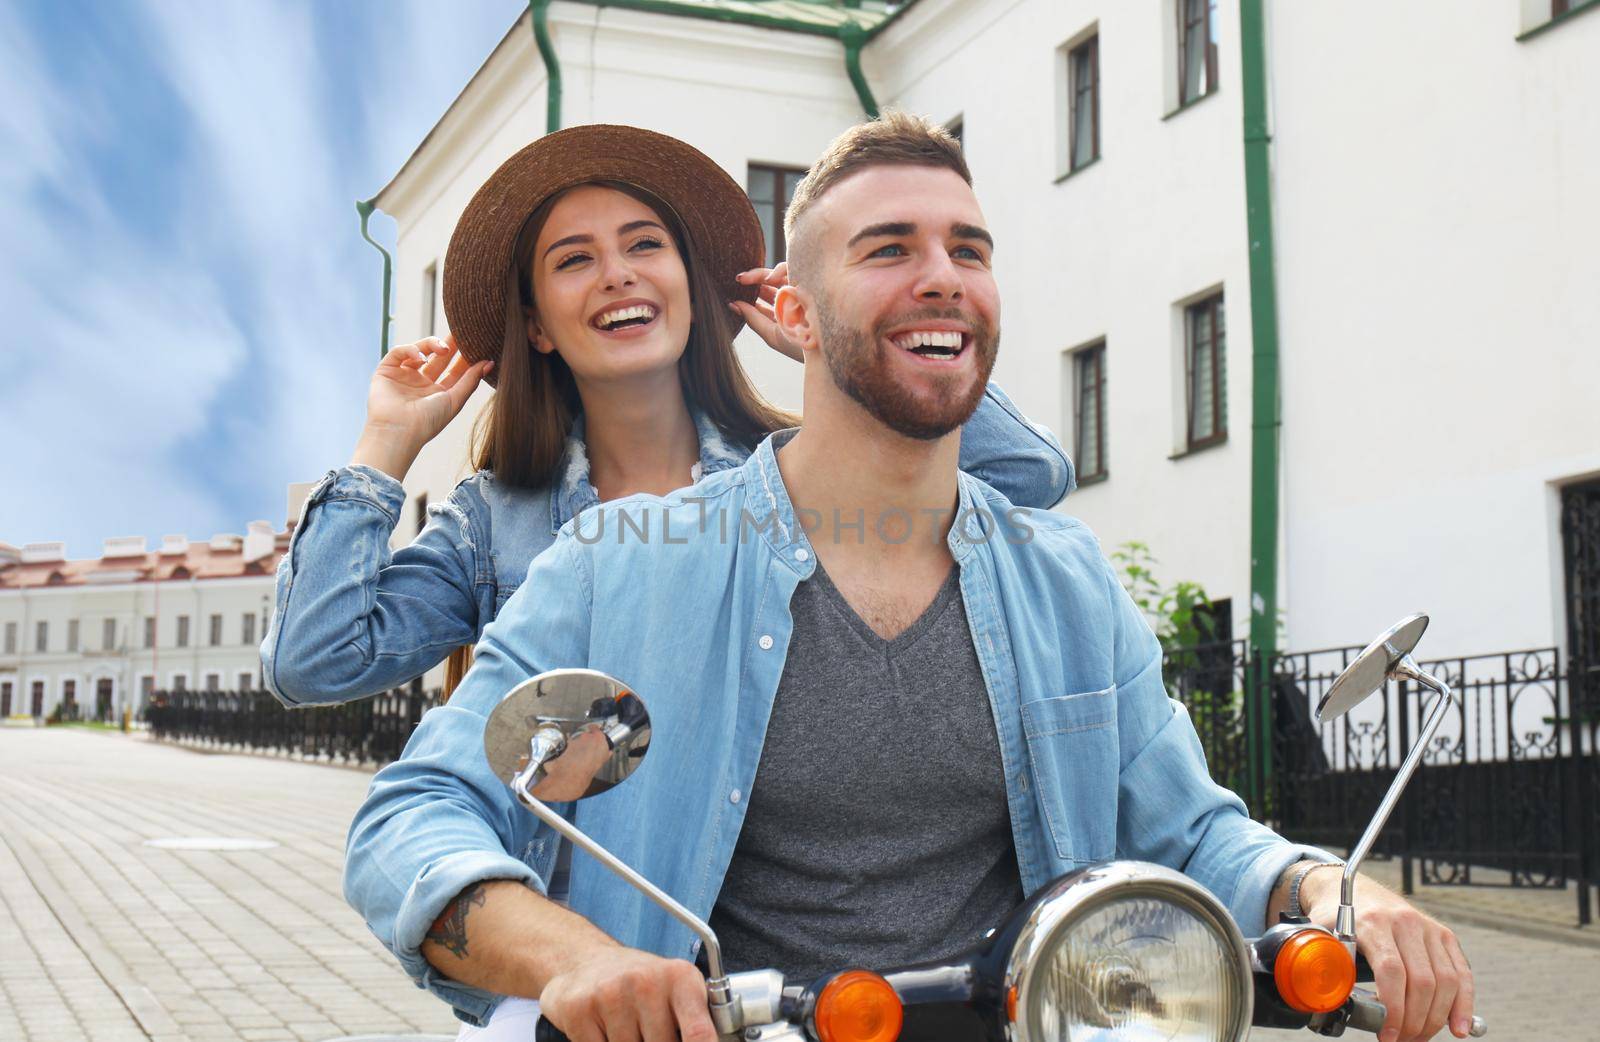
{"points": [[939, 278]]}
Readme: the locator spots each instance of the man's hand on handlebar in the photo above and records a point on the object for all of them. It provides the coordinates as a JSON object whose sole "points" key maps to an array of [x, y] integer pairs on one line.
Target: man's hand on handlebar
{"points": [[624, 993]]}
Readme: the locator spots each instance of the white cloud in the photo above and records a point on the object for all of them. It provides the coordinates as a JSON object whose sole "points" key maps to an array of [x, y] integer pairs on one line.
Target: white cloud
{"points": [[175, 379]]}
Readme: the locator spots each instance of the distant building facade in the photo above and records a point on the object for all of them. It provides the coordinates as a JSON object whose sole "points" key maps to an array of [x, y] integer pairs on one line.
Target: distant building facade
{"points": [[101, 635], [1434, 252]]}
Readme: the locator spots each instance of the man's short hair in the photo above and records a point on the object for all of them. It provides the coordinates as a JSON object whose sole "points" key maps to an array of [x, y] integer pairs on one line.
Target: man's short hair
{"points": [[892, 139]]}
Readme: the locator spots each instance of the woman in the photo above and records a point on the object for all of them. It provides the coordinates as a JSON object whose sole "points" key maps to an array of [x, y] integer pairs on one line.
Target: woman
{"points": [[594, 280]]}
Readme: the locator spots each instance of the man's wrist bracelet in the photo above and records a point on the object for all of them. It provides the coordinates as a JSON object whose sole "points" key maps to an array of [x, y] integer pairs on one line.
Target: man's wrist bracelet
{"points": [[1305, 868]]}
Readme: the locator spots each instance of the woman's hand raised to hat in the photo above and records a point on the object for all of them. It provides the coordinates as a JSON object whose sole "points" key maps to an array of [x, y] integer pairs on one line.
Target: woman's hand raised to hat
{"points": [[759, 316], [416, 391]]}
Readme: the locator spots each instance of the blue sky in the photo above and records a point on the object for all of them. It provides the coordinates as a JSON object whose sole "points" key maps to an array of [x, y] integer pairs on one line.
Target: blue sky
{"points": [[190, 312]]}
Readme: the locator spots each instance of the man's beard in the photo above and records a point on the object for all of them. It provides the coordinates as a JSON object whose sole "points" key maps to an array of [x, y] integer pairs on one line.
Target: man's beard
{"points": [[857, 361]]}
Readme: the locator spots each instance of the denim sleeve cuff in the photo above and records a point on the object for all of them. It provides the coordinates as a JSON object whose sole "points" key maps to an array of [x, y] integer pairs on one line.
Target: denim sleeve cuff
{"points": [[363, 484], [1253, 893], [426, 901]]}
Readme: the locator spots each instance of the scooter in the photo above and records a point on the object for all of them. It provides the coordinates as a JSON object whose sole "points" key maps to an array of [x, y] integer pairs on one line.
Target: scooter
{"points": [[1122, 950]]}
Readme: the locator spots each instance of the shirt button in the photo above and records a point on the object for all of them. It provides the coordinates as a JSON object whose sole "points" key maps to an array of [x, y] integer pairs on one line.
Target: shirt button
{"points": [[802, 555], [734, 796], [766, 645]]}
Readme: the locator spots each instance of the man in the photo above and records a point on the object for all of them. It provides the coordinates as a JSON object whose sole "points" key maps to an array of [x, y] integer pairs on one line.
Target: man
{"points": [[885, 704]]}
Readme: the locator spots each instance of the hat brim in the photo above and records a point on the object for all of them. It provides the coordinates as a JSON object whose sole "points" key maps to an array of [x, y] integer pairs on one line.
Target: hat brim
{"points": [[711, 207]]}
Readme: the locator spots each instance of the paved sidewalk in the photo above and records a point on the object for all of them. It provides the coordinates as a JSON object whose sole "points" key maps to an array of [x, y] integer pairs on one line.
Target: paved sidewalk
{"points": [[105, 938]]}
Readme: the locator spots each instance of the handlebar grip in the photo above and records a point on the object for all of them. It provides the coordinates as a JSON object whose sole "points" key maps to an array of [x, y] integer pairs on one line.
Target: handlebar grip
{"points": [[545, 1031]]}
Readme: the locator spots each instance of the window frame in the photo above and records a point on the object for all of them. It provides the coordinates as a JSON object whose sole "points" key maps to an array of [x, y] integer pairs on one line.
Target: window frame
{"points": [[1080, 360], [1091, 44], [41, 637], [183, 632], [247, 628], [108, 635], [11, 638], [214, 630], [1207, 23], [1211, 304], [778, 249]]}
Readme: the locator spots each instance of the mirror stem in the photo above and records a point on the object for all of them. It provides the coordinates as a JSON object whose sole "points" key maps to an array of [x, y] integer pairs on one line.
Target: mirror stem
{"points": [[1345, 926], [724, 1011]]}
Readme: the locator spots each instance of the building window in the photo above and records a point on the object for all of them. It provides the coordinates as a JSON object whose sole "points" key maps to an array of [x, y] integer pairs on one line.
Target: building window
{"points": [[1084, 63], [37, 693], [11, 638], [149, 631], [216, 631], [247, 682], [213, 681], [183, 631], [147, 687], [422, 511], [69, 695], [1089, 413], [108, 635], [180, 681], [1205, 358], [72, 634], [1197, 49], [41, 636], [5, 699], [430, 300], [771, 189], [247, 628]]}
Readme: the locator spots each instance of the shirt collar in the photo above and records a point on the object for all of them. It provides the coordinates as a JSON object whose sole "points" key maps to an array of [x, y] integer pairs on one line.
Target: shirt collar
{"points": [[772, 514], [572, 493]]}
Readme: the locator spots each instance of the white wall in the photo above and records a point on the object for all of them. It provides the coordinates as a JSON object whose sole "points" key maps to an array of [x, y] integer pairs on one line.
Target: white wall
{"points": [[1435, 245], [1437, 261], [128, 604], [1107, 252]]}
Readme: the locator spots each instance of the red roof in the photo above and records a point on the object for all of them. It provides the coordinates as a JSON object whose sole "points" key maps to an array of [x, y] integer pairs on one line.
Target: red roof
{"points": [[199, 561]]}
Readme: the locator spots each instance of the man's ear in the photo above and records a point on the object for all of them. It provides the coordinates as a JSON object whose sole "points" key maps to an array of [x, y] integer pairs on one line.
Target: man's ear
{"points": [[793, 309], [536, 337]]}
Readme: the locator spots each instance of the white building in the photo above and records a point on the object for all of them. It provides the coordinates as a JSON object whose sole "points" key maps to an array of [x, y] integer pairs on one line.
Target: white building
{"points": [[1438, 319], [105, 633]]}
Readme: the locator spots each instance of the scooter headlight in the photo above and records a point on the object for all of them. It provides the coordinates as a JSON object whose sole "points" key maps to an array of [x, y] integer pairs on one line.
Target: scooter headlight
{"points": [[1129, 951]]}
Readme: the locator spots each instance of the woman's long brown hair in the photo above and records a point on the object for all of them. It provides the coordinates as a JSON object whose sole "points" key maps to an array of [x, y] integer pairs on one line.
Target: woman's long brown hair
{"points": [[522, 433]]}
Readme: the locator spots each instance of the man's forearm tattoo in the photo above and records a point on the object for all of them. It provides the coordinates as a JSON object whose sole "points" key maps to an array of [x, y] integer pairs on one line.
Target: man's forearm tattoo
{"points": [[449, 931]]}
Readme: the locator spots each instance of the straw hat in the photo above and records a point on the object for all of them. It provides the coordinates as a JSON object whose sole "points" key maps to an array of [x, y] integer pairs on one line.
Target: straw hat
{"points": [[709, 204]]}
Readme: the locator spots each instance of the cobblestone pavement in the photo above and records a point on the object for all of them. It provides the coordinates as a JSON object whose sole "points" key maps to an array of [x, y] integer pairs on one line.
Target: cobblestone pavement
{"points": [[105, 938]]}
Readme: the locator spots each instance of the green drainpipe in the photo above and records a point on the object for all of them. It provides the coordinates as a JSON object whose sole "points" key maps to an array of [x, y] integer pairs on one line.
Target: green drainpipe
{"points": [[365, 210], [540, 10], [854, 37], [1266, 419]]}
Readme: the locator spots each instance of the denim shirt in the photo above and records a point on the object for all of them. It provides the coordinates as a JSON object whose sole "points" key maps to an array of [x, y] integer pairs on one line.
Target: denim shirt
{"points": [[351, 619], [1098, 762]]}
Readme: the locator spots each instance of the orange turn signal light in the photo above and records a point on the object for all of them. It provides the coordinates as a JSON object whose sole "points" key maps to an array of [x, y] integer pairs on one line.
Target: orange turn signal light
{"points": [[858, 1006], [1314, 972]]}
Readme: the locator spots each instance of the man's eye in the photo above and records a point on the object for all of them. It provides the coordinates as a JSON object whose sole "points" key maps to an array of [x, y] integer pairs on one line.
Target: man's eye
{"points": [[883, 251], [571, 260], [967, 253]]}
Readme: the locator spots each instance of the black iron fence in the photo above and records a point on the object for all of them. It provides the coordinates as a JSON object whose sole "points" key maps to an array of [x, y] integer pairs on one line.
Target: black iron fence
{"points": [[370, 731], [1509, 782]]}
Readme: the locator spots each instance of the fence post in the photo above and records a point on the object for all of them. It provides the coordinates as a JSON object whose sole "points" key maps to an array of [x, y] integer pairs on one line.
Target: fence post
{"points": [[1578, 676], [1407, 812]]}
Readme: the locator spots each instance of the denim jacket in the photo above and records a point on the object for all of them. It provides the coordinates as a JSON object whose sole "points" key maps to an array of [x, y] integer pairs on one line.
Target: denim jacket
{"points": [[352, 619], [1098, 762]]}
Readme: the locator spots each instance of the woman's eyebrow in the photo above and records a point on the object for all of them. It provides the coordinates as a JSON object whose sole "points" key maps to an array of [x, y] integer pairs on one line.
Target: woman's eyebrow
{"points": [[631, 226], [568, 241]]}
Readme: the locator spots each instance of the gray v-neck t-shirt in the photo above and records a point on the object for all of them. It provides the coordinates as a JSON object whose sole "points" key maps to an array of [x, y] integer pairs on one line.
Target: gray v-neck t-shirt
{"points": [[877, 832]]}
